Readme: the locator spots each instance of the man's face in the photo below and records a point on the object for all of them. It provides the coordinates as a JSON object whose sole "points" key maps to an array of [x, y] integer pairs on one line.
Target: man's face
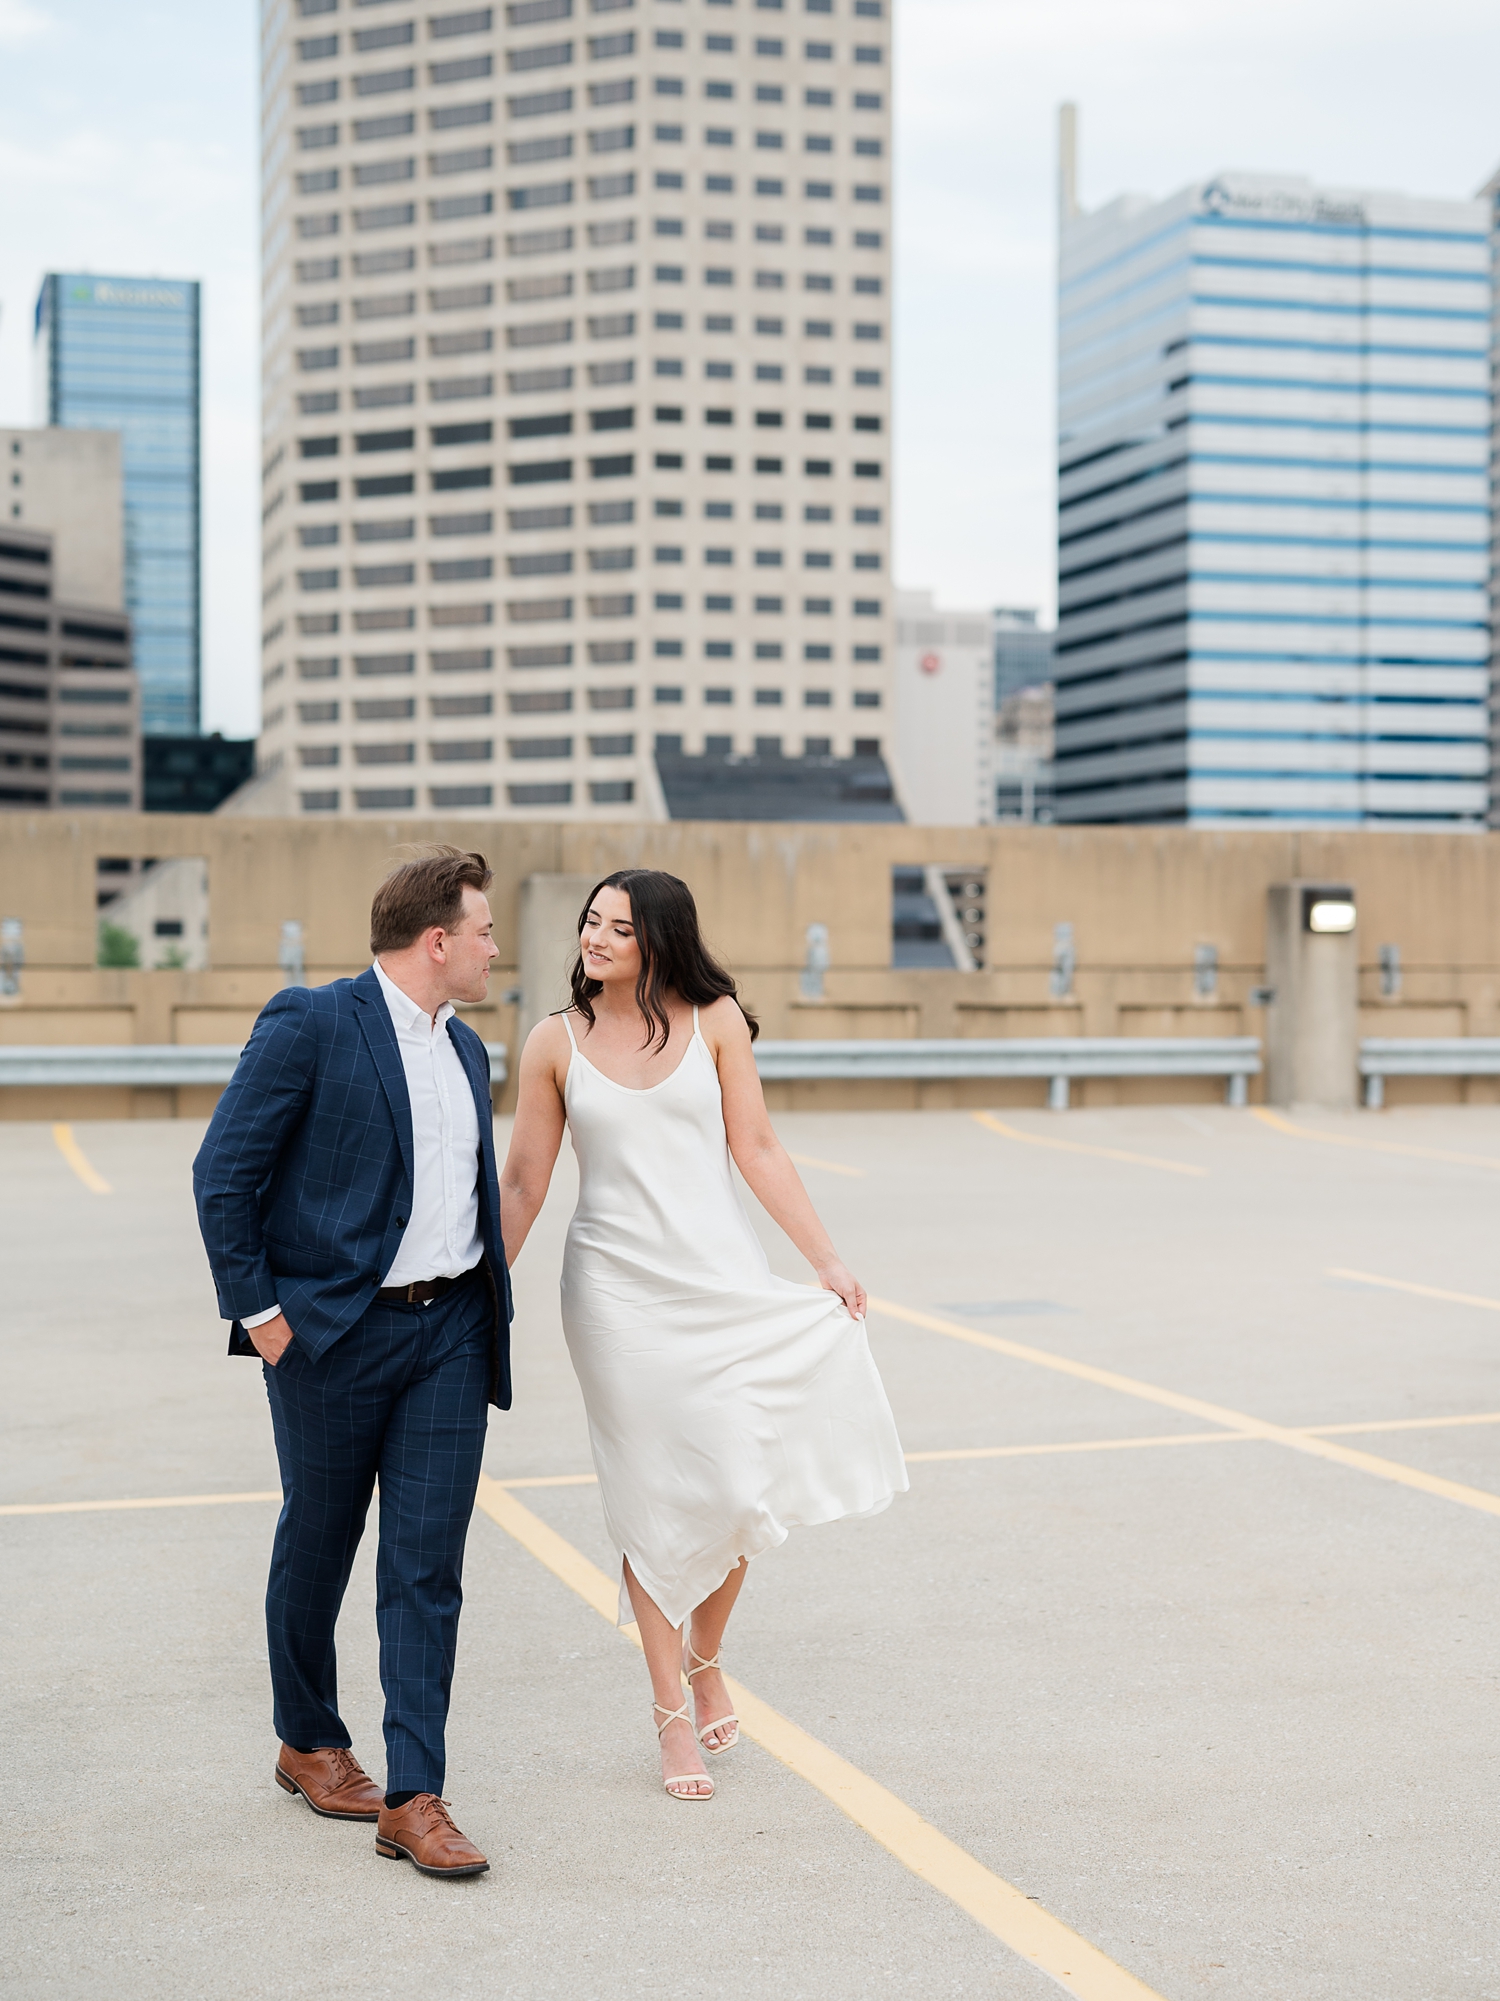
{"points": [[469, 948]]}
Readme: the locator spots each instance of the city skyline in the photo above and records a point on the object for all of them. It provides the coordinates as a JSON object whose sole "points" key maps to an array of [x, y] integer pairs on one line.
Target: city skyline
{"points": [[144, 158], [576, 365], [1274, 510], [123, 353]]}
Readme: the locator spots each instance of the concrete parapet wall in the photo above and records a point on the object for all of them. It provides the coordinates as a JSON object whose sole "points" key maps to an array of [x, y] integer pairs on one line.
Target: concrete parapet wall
{"points": [[1140, 901]]}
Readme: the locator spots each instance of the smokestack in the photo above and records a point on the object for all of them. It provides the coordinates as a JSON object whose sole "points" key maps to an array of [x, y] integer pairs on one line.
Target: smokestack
{"points": [[1067, 162]]}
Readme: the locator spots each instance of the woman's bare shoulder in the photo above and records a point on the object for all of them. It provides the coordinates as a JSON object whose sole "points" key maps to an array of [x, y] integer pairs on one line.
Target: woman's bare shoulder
{"points": [[723, 1023], [548, 1041]]}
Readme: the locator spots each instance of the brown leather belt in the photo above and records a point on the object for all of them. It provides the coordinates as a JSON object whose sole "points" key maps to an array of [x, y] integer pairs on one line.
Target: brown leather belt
{"points": [[420, 1291]]}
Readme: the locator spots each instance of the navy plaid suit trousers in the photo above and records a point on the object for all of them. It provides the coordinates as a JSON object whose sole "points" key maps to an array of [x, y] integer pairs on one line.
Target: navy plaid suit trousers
{"points": [[402, 1397]]}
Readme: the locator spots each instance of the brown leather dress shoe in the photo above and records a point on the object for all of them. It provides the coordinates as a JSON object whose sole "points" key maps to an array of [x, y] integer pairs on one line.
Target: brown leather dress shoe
{"points": [[332, 1782], [424, 1833]]}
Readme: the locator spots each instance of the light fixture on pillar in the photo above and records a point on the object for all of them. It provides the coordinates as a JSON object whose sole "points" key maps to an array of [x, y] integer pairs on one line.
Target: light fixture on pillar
{"points": [[1328, 912], [1312, 968]]}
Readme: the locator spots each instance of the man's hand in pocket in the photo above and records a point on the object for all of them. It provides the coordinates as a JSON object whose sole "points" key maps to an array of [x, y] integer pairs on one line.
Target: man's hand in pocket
{"points": [[271, 1339]]}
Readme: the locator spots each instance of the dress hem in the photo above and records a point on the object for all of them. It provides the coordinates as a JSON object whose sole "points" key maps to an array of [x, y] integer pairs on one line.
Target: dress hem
{"points": [[626, 1613]]}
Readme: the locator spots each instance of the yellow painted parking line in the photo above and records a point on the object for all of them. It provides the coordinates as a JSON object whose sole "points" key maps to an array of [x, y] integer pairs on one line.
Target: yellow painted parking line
{"points": [[79, 1161], [1422, 1291], [1196, 1438], [957, 1452], [828, 1166], [1006, 1912], [1078, 1445], [1077, 1146], [554, 1480], [1281, 1125], [1212, 1413], [156, 1501], [1406, 1423]]}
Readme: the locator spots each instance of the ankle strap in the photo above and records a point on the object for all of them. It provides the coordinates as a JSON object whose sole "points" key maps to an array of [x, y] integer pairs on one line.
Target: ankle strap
{"points": [[675, 1716], [703, 1665]]}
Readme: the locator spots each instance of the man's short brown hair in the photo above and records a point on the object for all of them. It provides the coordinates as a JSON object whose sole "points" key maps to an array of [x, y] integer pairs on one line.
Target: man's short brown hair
{"points": [[420, 893]]}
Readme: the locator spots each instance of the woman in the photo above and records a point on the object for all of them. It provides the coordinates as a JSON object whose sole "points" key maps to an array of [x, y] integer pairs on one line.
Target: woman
{"points": [[725, 1405]]}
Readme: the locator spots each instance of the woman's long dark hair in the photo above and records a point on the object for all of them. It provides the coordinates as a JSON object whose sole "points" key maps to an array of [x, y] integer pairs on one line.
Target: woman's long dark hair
{"points": [[674, 958]]}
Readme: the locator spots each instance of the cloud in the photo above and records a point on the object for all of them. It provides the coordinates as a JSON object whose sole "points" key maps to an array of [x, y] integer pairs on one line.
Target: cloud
{"points": [[21, 22]]}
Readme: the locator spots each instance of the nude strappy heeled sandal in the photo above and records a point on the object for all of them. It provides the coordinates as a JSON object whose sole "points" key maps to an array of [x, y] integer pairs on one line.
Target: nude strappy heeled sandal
{"points": [[681, 1778], [718, 1723]]}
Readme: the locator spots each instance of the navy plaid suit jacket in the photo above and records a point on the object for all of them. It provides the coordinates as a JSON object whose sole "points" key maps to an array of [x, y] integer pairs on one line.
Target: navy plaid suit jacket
{"points": [[304, 1179]]}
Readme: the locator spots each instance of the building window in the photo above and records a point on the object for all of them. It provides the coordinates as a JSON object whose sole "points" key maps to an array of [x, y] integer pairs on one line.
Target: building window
{"points": [[540, 795], [468, 67], [448, 797]]}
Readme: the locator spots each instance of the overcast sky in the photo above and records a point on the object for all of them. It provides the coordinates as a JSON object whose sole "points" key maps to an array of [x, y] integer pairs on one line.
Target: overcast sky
{"points": [[128, 144]]}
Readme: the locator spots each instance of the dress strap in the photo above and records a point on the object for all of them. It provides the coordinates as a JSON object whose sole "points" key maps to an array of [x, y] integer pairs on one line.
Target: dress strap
{"points": [[566, 1012], [695, 1020]]}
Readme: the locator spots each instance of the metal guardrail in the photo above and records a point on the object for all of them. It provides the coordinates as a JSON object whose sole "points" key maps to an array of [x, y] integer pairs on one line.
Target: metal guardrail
{"points": [[1382, 1056], [914, 1059], [145, 1064], [1057, 1058]]}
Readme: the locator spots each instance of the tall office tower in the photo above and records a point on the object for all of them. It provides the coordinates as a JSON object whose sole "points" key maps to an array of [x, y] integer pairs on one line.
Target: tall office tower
{"points": [[1489, 194], [576, 398], [1273, 507], [121, 354]]}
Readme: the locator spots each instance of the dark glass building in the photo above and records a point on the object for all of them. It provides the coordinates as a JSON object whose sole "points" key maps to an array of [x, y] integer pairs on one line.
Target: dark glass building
{"points": [[194, 774], [122, 354]]}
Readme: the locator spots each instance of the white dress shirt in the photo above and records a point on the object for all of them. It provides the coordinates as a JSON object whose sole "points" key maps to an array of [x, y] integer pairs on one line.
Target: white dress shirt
{"points": [[441, 1238]]}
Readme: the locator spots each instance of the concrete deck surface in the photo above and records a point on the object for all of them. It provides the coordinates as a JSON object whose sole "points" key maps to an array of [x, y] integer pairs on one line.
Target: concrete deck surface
{"points": [[1227, 1709]]}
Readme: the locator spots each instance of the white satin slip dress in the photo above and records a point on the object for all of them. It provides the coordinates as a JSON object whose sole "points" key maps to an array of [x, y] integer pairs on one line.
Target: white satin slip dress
{"points": [[725, 1405]]}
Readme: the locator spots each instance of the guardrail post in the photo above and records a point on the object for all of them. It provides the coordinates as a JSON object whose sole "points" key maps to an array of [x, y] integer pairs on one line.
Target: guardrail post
{"points": [[12, 956], [1374, 1093], [1237, 1094], [816, 963], [1057, 1094], [291, 954]]}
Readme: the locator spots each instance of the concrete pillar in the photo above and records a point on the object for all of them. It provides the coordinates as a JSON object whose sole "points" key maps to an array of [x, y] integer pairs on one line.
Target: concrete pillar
{"points": [[547, 943], [1312, 1019]]}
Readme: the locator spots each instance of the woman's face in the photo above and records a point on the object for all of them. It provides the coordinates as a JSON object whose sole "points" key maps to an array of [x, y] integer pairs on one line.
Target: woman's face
{"points": [[607, 941]]}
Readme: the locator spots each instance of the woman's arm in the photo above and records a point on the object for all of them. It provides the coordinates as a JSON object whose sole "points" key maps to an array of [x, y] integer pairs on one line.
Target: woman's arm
{"points": [[763, 1160], [535, 1136]]}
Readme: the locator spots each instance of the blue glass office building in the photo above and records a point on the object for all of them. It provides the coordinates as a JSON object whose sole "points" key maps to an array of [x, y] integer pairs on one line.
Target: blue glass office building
{"points": [[122, 354], [1274, 508]]}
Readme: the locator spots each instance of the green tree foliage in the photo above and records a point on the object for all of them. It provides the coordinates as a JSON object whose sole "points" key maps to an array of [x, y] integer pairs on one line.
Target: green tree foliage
{"points": [[117, 946]]}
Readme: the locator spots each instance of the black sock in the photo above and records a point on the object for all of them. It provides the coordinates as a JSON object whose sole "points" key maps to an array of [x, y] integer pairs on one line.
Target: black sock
{"points": [[303, 1750], [398, 1799]]}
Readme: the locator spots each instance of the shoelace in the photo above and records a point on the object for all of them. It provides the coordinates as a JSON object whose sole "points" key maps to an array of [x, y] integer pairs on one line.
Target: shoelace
{"points": [[344, 1767], [438, 1810]]}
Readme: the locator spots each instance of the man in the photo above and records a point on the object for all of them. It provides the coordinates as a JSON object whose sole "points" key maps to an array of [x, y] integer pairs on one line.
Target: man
{"points": [[348, 1200]]}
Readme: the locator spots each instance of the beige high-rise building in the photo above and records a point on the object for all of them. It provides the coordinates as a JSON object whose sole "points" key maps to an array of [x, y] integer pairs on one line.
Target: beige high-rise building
{"points": [[577, 399], [70, 706], [70, 485]]}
